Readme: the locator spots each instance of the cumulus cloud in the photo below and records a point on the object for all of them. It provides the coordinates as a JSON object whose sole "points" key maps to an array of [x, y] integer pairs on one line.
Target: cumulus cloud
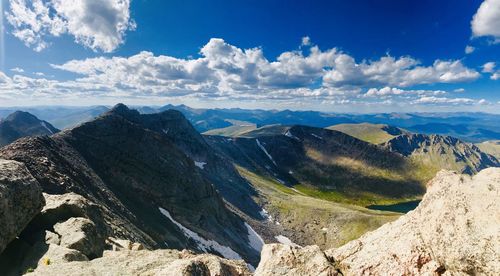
{"points": [[223, 68], [306, 41], [223, 71], [444, 100], [469, 49], [17, 70], [391, 91], [486, 21], [96, 24], [489, 67]]}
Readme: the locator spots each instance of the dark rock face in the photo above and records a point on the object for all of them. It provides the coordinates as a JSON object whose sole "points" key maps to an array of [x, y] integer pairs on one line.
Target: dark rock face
{"points": [[21, 124], [121, 162], [443, 151], [20, 200]]}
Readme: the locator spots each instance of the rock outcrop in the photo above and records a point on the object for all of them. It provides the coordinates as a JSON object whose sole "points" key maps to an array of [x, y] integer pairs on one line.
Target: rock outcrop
{"points": [[454, 231], [145, 262], [281, 259], [20, 200]]}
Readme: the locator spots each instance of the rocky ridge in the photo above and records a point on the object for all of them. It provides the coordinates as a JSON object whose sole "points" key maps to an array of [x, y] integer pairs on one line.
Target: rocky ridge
{"points": [[442, 152]]}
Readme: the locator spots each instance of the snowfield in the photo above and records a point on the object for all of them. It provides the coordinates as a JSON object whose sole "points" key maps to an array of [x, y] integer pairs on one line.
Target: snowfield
{"points": [[265, 151], [202, 243]]}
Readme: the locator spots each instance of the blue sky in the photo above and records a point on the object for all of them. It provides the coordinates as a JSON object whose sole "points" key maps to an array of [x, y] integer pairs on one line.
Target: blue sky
{"points": [[345, 56]]}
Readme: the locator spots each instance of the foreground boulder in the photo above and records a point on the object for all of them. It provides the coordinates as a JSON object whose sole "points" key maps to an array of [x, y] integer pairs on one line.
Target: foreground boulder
{"points": [[145, 262], [454, 231], [281, 259], [20, 200]]}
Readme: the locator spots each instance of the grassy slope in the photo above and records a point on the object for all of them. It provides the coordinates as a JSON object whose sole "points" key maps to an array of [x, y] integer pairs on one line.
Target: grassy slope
{"points": [[309, 220], [490, 147], [372, 133], [238, 128]]}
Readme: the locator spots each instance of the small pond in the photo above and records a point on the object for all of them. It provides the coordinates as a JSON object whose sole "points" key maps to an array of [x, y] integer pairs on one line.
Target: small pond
{"points": [[402, 207]]}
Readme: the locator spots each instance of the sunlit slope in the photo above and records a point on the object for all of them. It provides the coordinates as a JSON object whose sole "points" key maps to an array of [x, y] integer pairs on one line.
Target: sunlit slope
{"points": [[372, 133]]}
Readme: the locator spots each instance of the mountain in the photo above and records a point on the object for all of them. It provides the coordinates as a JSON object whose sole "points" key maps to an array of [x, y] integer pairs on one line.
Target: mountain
{"points": [[135, 167], [21, 124], [463, 131], [442, 152], [324, 160], [372, 133], [453, 231], [72, 118], [490, 147]]}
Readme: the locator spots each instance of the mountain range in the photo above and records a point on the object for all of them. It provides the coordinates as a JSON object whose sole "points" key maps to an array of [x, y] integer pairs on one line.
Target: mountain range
{"points": [[467, 126]]}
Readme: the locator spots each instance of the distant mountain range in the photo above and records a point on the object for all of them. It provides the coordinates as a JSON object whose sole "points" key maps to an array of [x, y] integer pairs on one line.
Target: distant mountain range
{"points": [[470, 127]]}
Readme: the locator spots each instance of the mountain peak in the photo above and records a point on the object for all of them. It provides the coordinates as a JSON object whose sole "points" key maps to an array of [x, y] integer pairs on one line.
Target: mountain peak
{"points": [[123, 110], [21, 116]]}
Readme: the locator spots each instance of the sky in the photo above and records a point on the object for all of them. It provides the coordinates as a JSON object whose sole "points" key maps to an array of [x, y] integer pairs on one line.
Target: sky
{"points": [[336, 56]]}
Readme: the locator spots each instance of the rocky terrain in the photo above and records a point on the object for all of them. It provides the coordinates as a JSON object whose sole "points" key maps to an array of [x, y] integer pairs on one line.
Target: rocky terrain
{"points": [[442, 152], [147, 188], [454, 231], [130, 193], [22, 124]]}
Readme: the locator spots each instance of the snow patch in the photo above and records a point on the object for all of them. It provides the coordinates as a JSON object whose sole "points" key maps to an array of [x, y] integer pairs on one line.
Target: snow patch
{"points": [[200, 164], [280, 181], [255, 240], [265, 151], [317, 136], [290, 135], [165, 131], [44, 125], [265, 214], [284, 240], [203, 244]]}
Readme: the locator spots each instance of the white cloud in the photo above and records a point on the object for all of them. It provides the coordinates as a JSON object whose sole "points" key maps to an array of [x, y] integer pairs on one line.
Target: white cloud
{"points": [[489, 67], [486, 21], [403, 72], [469, 49], [225, 72], [495, 76], [224, 69], [17, 70], [96, 24], [393, 91], [459, 90], [306, 41], [443, 100]]}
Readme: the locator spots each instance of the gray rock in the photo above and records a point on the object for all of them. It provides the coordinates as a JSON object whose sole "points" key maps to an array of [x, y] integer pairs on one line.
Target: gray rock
{"points": [[80, 234], [145, 262], [20, 200], [281, 259]]}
